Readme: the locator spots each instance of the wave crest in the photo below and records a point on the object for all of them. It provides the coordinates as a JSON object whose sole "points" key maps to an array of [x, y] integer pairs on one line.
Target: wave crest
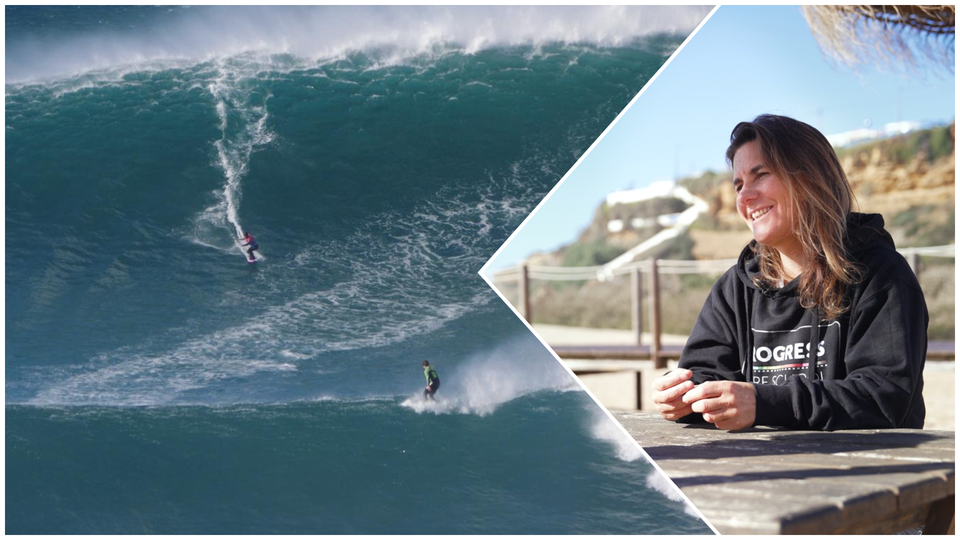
{"points": [[330, 32]]}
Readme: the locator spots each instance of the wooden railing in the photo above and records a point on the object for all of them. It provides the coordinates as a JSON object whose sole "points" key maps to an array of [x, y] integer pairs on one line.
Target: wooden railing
{"points": [[653, 268]]}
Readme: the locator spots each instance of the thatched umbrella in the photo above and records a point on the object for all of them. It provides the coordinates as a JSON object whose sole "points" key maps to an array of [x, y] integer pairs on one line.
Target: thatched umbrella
{"points": [[885, 34]]}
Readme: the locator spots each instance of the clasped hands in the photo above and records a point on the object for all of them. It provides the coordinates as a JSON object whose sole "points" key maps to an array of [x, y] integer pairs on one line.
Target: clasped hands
{"points": [[729, 405]]}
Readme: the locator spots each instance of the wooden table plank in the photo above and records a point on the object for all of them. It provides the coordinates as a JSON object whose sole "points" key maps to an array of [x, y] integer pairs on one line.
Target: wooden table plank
{"points": [[797, 506], [773, 481]]}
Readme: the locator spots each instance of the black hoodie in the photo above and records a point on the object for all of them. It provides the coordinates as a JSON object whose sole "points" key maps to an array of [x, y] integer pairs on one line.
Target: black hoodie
{"points": [[869, 369]]}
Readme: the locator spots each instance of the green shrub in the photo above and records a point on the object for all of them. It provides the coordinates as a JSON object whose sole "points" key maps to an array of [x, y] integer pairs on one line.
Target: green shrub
{"points": [[938, 282], [935, 143], [920, 229], [592, 253], [680, 248]]}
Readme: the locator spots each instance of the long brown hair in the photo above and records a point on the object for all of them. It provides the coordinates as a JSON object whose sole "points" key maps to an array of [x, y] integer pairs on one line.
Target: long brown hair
{"points": [[821, 199]]}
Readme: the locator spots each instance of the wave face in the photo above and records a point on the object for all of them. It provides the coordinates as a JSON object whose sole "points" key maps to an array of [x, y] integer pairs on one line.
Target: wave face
{"points": [[378, 176], [369, 467]]}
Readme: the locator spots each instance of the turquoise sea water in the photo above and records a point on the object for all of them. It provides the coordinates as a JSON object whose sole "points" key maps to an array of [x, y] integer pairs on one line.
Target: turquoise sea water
{"points": [[157, 383]]}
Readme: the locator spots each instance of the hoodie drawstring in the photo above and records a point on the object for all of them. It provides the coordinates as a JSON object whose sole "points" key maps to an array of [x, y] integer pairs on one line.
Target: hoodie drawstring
{"points": [[748, 352], [814, 344]]}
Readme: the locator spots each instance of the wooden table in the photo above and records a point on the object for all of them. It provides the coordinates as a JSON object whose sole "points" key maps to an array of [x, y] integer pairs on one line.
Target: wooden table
{"points": [[774, 481]]}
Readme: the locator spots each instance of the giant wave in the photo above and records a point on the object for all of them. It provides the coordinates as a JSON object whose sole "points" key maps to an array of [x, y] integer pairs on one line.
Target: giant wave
{"points": [[151, 372]]}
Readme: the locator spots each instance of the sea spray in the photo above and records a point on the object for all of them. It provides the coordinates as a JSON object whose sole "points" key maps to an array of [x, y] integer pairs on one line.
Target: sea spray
{"points": [[328, 32], [488, 379]]}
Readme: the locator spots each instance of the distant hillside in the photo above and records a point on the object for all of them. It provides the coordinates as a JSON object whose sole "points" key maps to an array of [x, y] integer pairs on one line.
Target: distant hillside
{"points": [[909, 179]]}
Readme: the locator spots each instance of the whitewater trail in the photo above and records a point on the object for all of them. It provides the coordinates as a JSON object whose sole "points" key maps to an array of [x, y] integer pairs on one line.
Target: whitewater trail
{"points": [[243, 117]]}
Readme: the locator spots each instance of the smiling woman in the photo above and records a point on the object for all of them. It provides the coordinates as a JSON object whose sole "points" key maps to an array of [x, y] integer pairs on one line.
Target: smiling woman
{"points": [[795, 201], [821, 324], [763, 201]]}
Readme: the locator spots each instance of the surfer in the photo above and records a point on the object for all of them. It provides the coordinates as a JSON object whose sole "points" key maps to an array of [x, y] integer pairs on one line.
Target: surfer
{"points": [[433, 380], [249, 240]]}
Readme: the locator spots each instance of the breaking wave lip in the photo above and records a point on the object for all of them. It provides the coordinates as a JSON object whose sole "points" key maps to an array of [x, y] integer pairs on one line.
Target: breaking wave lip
{"points": [[207, 71], [332, 31], [605, 429], [658, 482]]}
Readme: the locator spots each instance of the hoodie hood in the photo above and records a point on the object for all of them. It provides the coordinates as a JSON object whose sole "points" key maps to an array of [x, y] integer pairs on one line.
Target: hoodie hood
{"points": [[866, 232]]}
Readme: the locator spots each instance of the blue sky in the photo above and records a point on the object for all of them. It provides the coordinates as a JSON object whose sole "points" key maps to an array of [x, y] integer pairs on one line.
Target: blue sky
{"points": [[745, 61]]}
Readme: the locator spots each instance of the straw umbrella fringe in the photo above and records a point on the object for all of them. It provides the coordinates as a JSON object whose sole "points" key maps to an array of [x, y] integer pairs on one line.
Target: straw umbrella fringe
{"points": [[885, 35]]}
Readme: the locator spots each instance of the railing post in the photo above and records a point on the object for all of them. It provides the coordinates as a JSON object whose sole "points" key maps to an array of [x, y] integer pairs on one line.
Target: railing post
{"points": [[639, 390], [636, 297], [658, 362], [525, 293], [914, 261]]}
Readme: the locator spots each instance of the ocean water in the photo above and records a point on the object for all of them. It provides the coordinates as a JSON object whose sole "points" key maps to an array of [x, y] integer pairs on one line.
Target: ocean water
{"points": [[155, 382]]}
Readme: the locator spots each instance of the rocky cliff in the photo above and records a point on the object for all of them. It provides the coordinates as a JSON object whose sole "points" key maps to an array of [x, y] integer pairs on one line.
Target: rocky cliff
{"points": [[910, 180]]}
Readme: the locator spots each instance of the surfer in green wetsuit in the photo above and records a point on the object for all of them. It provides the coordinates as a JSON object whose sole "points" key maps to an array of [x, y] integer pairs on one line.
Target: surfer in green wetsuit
{"points": [[433, 380]]}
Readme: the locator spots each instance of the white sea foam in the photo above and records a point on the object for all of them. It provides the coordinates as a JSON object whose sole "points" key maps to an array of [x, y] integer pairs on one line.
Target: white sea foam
{"points": [[151, 379], [384, 301], [396, 33]]}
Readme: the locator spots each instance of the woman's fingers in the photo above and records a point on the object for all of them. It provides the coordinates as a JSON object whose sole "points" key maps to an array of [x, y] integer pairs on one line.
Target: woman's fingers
{"points": [[671, 379]]}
